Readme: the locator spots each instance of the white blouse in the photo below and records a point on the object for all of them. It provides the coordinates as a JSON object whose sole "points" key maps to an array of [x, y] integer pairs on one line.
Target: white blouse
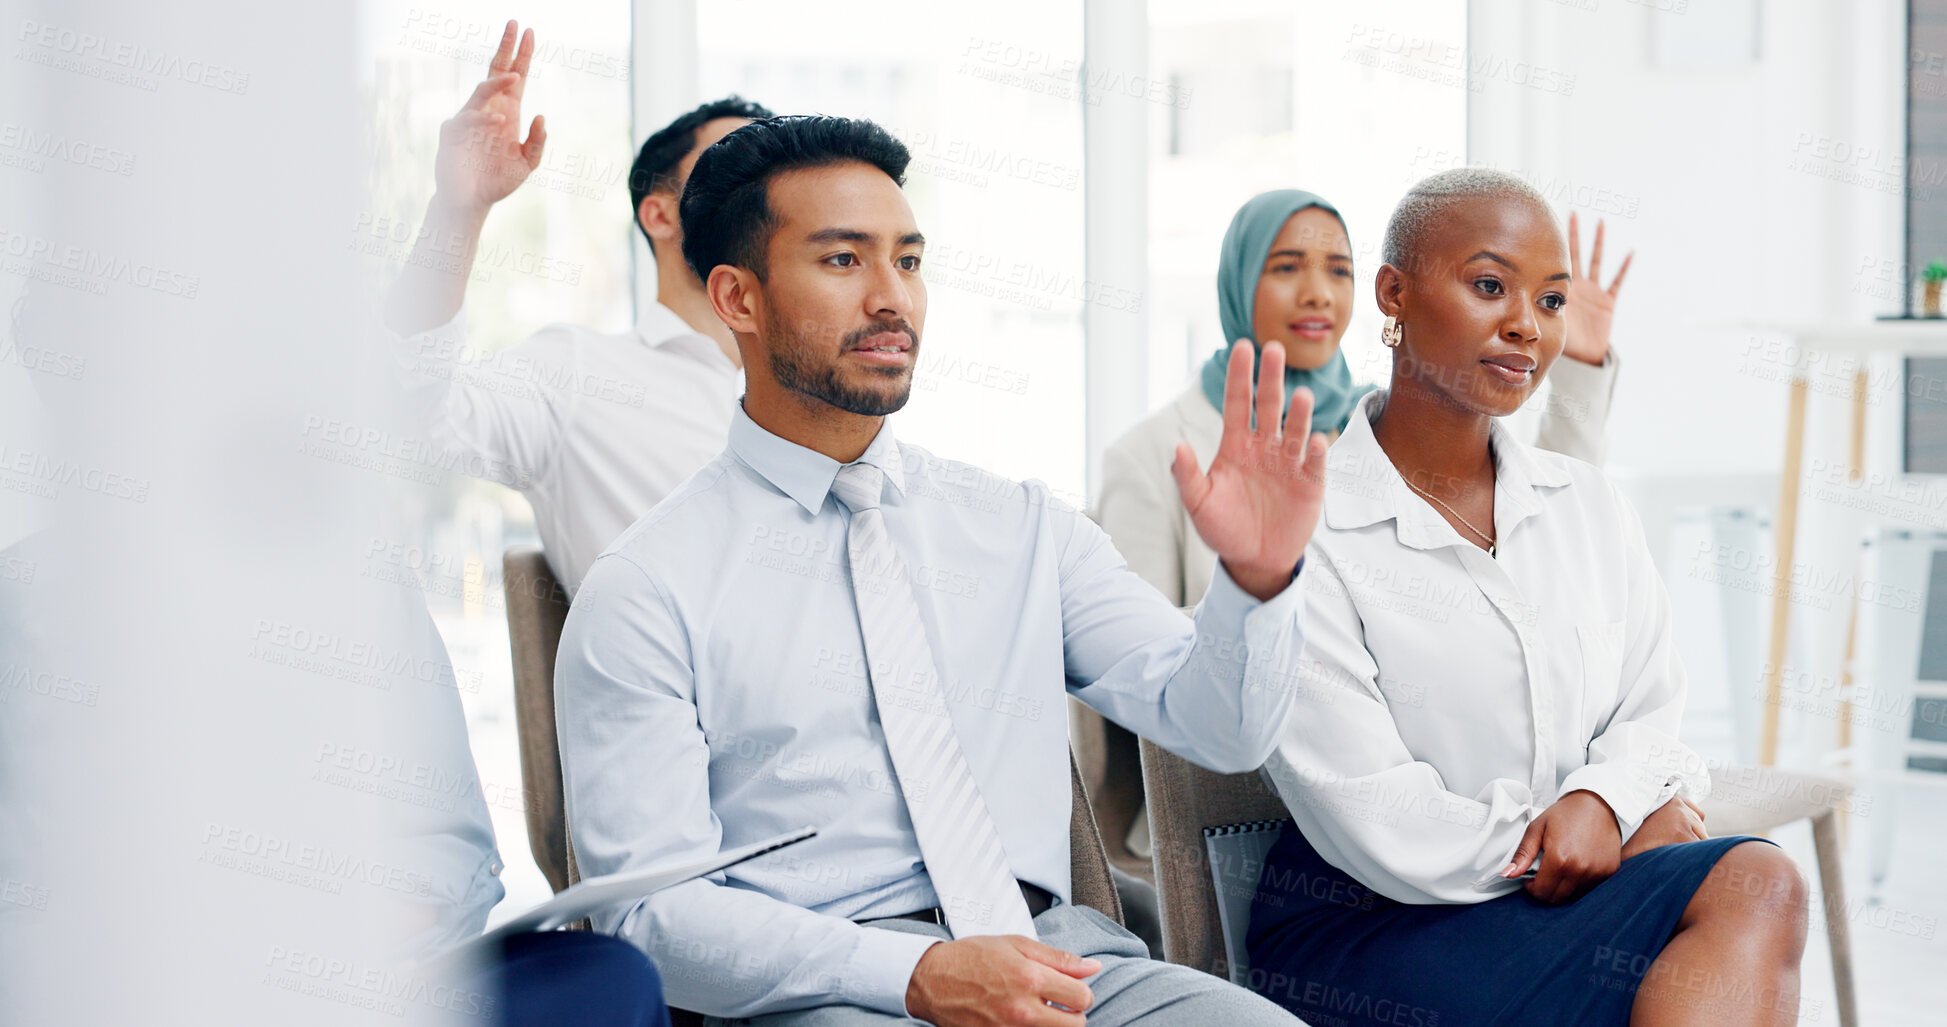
{"points": [[1447, 697]]}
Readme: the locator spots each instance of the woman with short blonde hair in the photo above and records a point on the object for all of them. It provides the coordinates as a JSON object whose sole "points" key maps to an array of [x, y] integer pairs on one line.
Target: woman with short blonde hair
{"points": [[1493, 811]]}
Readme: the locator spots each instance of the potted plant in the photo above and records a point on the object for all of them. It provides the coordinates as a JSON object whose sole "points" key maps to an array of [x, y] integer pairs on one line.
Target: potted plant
{"points": [[1935, 273]]}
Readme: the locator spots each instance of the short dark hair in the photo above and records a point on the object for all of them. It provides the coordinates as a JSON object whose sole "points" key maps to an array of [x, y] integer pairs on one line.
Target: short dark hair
{"points": [[654, 169], [726, 209], [1432, 197]]}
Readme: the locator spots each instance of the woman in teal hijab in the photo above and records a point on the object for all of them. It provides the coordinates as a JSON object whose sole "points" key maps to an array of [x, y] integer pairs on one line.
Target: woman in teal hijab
{"points": [[1285, 273]]}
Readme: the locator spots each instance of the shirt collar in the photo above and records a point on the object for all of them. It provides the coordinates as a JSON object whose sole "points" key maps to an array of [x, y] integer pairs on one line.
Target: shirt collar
{"points": [[806, 475], [659, 326], [1363, 487]]}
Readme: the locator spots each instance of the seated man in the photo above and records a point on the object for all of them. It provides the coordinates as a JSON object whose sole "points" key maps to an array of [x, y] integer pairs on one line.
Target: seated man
{"points": [[826, 626], [594, 428]]}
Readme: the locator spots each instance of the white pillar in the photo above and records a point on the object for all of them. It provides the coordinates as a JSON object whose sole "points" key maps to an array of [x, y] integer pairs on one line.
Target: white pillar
{"points": [[662, 84], [1115, 148]]}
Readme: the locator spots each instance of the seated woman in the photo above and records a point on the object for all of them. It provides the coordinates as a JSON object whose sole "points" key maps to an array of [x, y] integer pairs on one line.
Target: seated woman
{"points": [[1285, 273], [1493, 810]]}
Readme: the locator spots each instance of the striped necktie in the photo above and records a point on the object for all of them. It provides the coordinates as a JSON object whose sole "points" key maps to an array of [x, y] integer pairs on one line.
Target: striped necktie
{"points": [[957, 838]]}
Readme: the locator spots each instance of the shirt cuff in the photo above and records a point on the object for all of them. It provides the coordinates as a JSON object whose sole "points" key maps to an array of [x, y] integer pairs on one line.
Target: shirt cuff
{"points": [[1583, 389], [1590, 372], [1238, 610], [1271, 680], [882, 968], [1632, 792]]}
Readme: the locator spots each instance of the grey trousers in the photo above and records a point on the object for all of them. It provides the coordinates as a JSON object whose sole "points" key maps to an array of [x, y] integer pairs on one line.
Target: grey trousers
{"points": [[1130, 989]]}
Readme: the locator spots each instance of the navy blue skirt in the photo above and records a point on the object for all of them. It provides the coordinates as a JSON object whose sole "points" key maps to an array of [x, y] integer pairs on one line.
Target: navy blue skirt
{"points": [[1338, 954]]}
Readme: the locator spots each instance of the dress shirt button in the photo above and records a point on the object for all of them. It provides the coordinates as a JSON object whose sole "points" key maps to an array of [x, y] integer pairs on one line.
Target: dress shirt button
{"points": [[495, 867]]}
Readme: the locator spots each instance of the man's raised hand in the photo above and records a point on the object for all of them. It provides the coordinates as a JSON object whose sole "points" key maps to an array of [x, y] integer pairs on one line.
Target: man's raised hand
{"points": [[481, 159], [1259, 502], [481, 155]]}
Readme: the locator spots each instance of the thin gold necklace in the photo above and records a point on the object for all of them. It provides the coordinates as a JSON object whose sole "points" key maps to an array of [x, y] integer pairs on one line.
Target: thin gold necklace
{"points": [[1456, 513]]}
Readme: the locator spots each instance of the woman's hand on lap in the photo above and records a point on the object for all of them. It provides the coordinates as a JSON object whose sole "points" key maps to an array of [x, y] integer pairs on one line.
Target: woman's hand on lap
{"points": [[1673, 823], [1574, 846]]}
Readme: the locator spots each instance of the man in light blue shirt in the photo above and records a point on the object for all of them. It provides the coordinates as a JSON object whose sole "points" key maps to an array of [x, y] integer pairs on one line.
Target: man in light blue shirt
{"points": [[826, 626]]}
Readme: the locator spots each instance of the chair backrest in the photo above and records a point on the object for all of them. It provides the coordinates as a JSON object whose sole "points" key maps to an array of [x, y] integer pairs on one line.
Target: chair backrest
{"points": [[1184, 799], [1111, 769], [1754, 800], [537, 607], [1089, 882]]}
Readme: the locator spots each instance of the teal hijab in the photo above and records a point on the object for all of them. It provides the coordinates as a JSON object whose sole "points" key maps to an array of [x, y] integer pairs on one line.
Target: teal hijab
{"points": [[1246, 245]]}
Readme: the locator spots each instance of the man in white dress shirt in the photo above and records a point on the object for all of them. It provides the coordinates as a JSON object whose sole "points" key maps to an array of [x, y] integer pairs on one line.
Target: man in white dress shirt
{"points": [[593, 428], [827, 626]]}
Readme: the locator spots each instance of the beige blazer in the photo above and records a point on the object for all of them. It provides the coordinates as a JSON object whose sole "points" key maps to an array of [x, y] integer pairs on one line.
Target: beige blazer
{"points": [[1145, 519]]}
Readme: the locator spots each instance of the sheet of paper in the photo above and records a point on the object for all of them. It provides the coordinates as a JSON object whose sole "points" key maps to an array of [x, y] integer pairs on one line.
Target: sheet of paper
{"points": [[597, 893]]}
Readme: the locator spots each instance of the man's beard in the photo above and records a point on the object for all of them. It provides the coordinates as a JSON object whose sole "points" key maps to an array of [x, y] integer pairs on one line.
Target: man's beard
{"points": [[788, 350]]}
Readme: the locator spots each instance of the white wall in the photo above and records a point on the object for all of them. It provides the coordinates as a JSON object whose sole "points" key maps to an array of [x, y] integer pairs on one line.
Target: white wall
{"points": [[1705, 165], [1758, 184]]}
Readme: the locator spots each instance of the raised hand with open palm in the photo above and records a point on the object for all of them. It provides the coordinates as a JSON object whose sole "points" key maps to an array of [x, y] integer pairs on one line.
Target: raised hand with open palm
{"points": [[1591, 308], [482, 157], [1258, 503]]}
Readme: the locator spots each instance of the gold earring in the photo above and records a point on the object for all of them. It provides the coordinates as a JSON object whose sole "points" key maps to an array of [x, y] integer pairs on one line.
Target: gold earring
{"points": [[1392, 334]]}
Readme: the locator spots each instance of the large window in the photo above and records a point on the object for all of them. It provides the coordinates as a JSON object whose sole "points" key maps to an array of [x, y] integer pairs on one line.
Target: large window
{"points": [[1352, 102], [1926, 145], [556, 250]]}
